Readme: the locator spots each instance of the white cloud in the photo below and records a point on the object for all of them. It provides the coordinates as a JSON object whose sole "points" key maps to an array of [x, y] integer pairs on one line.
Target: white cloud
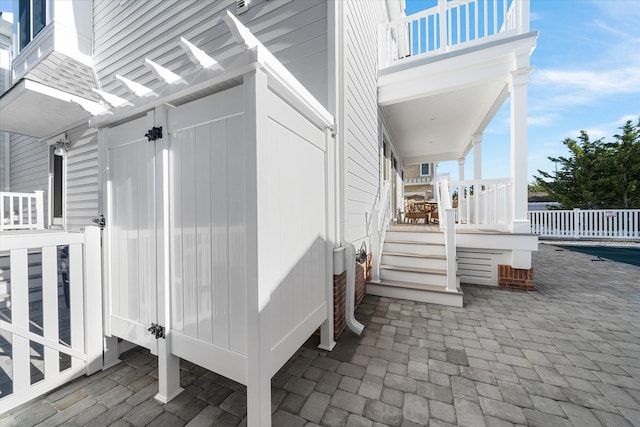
{"points": [[540, 120], [606, 82]]}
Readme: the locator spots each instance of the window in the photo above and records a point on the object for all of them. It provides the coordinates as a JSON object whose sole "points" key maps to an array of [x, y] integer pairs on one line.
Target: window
{"points": [[424, 169], [32, 18], [57, 188]]}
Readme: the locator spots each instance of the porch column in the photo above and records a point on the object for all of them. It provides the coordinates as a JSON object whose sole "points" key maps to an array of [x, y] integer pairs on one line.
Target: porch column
{"points": [[461, 169], [518, 81], [476, 140]]}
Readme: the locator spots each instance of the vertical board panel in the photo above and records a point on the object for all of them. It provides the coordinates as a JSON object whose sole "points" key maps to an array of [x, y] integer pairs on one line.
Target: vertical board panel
{"points": [[175, 221], [188, 190], [292, 218], [203, 201], [237, 234], [132, 231], [220, 234]]}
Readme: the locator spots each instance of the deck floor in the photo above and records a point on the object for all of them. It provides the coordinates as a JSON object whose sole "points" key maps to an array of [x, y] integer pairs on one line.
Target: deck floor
{"points": [[567, 354]]}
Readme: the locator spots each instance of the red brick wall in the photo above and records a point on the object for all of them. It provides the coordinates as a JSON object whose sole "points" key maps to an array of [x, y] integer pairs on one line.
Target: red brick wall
{"points": [[339, 302], [363, 274], [515, 278]]}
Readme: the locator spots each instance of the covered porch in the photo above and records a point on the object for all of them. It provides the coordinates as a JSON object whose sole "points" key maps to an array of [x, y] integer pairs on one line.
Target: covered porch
{"points": [[444, 74]]}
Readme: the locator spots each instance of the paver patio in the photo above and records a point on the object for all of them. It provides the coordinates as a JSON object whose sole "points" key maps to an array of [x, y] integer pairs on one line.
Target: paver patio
{"points": [[565, 354]]}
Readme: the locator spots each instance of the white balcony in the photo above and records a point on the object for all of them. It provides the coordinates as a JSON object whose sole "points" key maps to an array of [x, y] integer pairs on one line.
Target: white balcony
{"points": [[450, 26], [445, 72], [51, 73]]}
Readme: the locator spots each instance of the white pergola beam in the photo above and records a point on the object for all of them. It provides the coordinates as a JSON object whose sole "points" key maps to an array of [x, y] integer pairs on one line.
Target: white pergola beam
{"points": [[135, 87], [163, 73], [112, 99], [198, 56], [240, 33]]}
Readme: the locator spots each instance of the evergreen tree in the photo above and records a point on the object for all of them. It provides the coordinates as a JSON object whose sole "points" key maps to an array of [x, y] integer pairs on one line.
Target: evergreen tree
{"points": [[597, 174]]}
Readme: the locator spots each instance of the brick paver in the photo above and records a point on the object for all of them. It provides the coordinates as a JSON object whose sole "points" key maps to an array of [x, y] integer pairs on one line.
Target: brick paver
{"points": [[566, 354]]}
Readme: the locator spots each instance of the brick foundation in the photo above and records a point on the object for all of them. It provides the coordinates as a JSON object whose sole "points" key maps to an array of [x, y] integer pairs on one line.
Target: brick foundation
{"points": [[515, 278], [339, 302], [363, 274]]}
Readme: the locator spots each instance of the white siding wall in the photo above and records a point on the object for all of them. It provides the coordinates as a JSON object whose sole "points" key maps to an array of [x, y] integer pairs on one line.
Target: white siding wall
{"points": [[5, 68], [82, 178], [29, 164], [360, 126], [126, 32]]}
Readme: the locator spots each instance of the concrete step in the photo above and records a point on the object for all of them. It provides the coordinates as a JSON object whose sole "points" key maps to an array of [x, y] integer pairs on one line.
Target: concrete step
{"points": [[424, 276], [416, 292], [413, 247], [415, 236], [400, 259]]}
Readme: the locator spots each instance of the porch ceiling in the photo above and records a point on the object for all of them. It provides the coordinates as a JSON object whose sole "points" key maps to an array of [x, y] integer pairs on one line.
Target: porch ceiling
{"points": [[34, 109], [434, 105]]}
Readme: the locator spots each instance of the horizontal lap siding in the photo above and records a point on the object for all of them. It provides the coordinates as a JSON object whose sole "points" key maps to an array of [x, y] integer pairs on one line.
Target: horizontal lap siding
{"points": [[82, 178], [127, 32], [362, 162]]}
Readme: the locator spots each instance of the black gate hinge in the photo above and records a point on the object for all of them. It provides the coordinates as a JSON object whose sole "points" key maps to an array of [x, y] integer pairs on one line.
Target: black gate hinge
{"points": [[100, 222], [154, 133], [156, 330]]}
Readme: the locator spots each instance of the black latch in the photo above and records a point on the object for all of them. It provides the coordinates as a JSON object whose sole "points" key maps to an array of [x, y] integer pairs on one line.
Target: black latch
{"points": [[154, 133], [156, 330], [100, 222]]}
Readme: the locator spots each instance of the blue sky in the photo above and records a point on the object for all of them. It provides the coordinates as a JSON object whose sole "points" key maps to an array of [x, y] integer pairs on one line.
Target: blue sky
{"points": [[587, 76]]}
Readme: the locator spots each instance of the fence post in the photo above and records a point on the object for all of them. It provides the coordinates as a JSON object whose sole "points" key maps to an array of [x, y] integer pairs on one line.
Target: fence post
{"points": [[93, 330], [576, 222], [39, 209]]}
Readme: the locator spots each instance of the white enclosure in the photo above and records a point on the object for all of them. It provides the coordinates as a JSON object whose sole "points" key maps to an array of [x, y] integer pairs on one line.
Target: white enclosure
{"points": [[218, 230]]}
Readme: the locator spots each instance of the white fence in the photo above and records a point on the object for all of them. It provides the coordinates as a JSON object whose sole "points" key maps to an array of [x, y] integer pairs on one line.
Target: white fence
{"points": [[577, 223], [451, 25], [59, 343], [21, 211], [483, 204]]}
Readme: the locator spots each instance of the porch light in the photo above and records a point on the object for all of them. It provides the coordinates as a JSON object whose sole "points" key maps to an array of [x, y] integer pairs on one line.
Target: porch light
{"points": [[62, 148]]}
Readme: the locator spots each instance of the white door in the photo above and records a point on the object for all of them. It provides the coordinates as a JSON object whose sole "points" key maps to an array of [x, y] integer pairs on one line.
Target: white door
{"points": [[131, 232]]}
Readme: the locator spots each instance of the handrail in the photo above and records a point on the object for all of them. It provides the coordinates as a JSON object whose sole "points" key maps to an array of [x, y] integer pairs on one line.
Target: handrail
{"points": [[448, 224], [451, 25], [380, 218], [21, 211]]}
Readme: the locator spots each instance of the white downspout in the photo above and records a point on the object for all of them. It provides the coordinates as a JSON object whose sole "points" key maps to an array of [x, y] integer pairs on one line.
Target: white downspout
{"points": [[350, 261]]}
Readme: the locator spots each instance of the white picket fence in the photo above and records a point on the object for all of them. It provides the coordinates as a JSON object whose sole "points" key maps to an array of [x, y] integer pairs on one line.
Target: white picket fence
{"points": [[75, 335], [577, 223]]}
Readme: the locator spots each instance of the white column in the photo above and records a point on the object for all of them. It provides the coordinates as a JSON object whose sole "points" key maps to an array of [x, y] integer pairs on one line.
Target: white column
{"points": [[518, 81], [476, 140], [461, 169]]}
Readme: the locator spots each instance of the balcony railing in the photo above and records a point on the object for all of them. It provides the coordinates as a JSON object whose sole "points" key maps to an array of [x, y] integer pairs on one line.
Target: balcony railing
{"points": [[418, 180], [21, 211], [482, 204], [449, 26]]}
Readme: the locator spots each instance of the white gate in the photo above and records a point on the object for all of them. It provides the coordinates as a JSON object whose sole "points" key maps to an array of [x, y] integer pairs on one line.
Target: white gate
{"points": [[49, 343], [131, 231]]}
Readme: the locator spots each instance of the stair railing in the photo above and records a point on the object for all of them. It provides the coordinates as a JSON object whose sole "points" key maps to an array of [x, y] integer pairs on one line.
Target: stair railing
{"points": [[380, 218], [447, 215]]}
